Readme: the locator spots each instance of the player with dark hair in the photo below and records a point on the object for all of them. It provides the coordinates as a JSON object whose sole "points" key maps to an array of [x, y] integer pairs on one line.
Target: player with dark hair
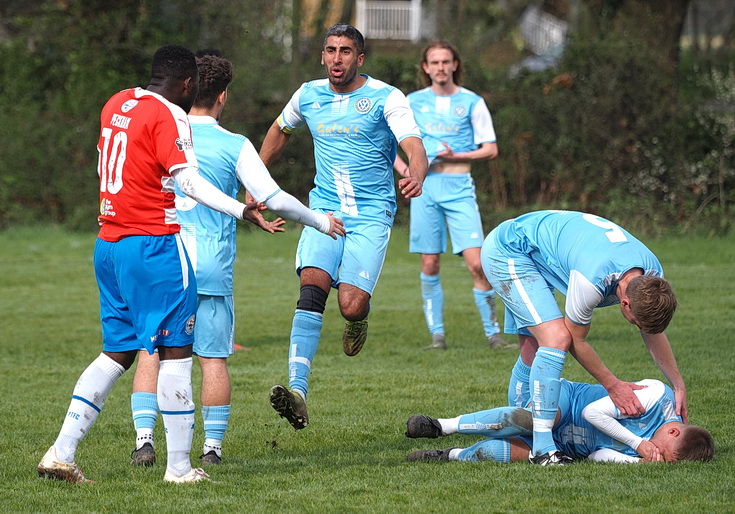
{"points": [[457, 129], [146, 281], [229, 161], [594, 263], [356, 123]]}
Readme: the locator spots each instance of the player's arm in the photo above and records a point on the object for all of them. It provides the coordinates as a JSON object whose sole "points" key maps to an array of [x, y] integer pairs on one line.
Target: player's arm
{"points": [[273, 144], [486, 151], [660, 349], [400, 119], [401, 167], [255, 217], [200, 189], [610, 455], [252, 173], [411, 185], [604, 415]]}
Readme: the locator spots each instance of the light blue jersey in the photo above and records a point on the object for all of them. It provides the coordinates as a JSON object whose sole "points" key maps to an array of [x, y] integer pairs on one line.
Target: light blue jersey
{"points": [[582, 255], [577, 437], [228, 161], [461, 120], [355, 137]]}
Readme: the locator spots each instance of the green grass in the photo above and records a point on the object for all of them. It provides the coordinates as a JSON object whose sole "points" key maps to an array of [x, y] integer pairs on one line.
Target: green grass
{"points": [[352, 456]]}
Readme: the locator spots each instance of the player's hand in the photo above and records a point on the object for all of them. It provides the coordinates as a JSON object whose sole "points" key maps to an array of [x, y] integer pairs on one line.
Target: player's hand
{"points": [[447, 154], [252, 213], [336, 226], [410, 187], [649, 452], [625, 399], [682, 409]]}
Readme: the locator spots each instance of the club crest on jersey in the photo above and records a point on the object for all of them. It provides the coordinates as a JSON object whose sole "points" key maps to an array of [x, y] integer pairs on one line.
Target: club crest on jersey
{"points": [[459, 111], [189, 327], [184, 144], [363, 105], [127, 106]]}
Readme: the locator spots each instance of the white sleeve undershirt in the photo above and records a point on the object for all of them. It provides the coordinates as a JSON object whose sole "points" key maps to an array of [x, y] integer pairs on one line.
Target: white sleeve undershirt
{"points": [[200, 189], [610, 455], [603, 414]]}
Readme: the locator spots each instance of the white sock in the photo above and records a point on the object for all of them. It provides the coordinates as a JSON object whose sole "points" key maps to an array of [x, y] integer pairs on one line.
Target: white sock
{"points": [[449, 425], [212, 445], [142, 436], [175, 399], [87, 400], [454, 452]]}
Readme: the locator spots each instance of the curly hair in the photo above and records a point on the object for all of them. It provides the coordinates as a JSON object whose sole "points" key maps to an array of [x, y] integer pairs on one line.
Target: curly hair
{"points": [[444, 45], [215, 74], [695, 443], [652, 302]]}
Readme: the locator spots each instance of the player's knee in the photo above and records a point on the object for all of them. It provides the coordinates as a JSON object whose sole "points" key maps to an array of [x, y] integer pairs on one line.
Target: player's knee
{"points": [[312, 299]]}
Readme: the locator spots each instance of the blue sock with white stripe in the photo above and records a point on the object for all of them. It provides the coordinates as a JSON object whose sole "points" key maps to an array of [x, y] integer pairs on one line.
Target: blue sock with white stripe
{"points": [[496, 450], [544, 383], [87, 400], [519, 392], [216, 418], [305, 332], [433, 297], [485, 302], [175, 399], [498, 422], [145, 412]]}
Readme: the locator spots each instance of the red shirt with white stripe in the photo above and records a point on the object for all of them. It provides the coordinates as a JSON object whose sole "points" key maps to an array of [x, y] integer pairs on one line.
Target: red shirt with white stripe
{"points": [[143, 138]]}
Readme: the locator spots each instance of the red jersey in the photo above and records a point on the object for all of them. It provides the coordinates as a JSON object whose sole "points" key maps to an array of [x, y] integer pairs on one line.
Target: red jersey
{"points": [[143, 138]]}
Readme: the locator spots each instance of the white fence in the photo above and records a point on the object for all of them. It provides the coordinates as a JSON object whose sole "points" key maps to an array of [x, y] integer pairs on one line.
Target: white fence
{"points": [[385, 19]]}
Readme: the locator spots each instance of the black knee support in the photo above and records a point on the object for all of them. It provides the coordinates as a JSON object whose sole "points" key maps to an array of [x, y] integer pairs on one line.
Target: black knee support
{"points": [[312, 298]]}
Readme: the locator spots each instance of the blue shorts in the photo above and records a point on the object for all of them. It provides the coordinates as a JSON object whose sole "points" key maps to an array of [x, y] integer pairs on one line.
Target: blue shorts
{"points": [[356, 258], [214, 334], [448, 199], [147, 293], [529, 299]]}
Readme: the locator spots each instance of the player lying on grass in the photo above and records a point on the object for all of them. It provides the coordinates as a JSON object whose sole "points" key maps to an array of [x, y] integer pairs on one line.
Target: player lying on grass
{"points": [[588, 425]]}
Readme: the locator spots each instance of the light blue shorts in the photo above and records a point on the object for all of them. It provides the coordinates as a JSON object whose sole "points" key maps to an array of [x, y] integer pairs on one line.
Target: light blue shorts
{"points": [[214, 334], [529, 299], [147, 293], [448, 199], [355, 259]]}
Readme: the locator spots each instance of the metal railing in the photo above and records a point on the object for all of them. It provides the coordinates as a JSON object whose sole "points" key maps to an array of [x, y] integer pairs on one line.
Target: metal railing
{"points": [[385, 19]]}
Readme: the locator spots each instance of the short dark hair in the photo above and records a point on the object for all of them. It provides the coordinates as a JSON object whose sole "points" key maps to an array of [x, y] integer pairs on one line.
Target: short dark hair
{"points": [[173, 62], [215, 74], [342, 29], [445, 45]]}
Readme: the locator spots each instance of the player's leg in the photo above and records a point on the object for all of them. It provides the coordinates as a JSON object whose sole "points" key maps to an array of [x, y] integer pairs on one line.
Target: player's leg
{"points": [[163, 307], [497, 422], [365, 246], [214, 342], [144, 407], [519, 392], [317, 260], [90, 392], [428, 236], [432, 296], [531, 302], [495, 450]]}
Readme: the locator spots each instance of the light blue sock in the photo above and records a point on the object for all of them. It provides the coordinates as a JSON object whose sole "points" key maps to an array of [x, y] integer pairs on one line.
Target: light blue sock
{"points": [[544, 383], [305, 332], [145, 412], [485, 302], [433, 297], [519, 392], [215, 419], [499, 422], [496, 450]]}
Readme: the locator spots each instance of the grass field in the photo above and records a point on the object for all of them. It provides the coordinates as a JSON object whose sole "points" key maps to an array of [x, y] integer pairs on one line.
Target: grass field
{"points": [[352, 456]]}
